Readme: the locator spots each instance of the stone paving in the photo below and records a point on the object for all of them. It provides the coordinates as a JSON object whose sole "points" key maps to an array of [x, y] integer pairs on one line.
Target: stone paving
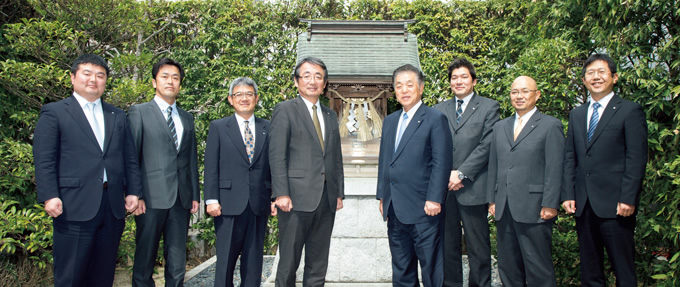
{"points": [[206, 276]]}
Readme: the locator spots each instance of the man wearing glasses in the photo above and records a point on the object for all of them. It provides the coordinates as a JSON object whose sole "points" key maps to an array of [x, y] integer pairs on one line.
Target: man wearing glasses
{"points": [[525, 172], [604, 163], [237, 187], [307, 176]]}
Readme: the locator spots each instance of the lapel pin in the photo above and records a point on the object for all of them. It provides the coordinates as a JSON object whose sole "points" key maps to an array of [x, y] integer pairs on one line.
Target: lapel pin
{"points": [[614, 108]]}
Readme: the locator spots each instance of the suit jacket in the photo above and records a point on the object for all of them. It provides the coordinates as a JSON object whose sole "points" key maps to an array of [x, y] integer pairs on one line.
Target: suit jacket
{"points": [[419, 169], [471, 140], [69, 163], [525, 175], [166, 172], [610, 168], [299, 166], [229, 177]]}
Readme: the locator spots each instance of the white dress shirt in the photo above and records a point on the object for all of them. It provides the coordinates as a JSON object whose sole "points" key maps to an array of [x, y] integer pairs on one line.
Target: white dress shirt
{"points": [[603, 104], [179, 128], [99, 114], [318, 113], [410, 114], [525, 119]]}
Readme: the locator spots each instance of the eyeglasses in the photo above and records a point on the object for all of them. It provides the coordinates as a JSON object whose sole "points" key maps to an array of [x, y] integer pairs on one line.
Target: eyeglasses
{"points": [[248, 95], [593, 73], [309, 77], [523, 92]]}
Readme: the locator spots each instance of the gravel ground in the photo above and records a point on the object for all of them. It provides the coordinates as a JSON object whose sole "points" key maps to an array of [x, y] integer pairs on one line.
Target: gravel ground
{"points": [[207, 277]]}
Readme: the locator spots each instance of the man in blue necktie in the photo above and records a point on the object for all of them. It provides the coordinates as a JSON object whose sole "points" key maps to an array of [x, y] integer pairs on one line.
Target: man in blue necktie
{"points": [[413, 172], [604, 163]]}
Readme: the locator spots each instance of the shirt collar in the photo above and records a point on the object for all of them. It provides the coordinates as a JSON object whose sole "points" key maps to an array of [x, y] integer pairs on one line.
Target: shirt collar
{"points": [[82, 101], [603, 101], [163, 105], [466, 99], [526, 116], [413, 110], [240, 119], [309, 104]]}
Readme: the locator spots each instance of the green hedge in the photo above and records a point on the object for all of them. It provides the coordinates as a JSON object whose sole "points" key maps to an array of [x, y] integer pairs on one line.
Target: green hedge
{"points": [[218, 41]]}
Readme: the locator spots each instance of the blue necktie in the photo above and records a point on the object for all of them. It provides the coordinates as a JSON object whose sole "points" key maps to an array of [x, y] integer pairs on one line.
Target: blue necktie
{"points": [[594, 119], [459, 111], [401, 131]]}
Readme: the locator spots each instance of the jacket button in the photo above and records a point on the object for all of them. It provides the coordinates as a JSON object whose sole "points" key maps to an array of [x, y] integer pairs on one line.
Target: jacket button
{"points": [[250, 169]]}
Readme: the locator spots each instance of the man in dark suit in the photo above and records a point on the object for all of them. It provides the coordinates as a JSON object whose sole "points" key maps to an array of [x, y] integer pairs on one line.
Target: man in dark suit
{"points": [[413, 172], [87, 175], [525, 172], [471, 119], [604, 163], [166, 144], [237, 186], [307, 175]]}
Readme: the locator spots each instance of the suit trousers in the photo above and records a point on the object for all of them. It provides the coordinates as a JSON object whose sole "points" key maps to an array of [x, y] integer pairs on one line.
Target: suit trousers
{"points": [[613, 234], [85, 252], [525, 252], [240, 235], [173, 224], [410, 243], [478, 245], [311, 230]]}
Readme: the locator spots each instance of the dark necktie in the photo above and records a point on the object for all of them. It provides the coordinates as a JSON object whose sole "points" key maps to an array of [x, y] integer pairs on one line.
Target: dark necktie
{"points": [[249, 141], [594, 119], [317, 126], [171, 124], [459, 111]]}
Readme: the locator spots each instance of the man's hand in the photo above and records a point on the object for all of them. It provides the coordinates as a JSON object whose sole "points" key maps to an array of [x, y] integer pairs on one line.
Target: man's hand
{"points": [[492, 209], [625, 210], [131, 203], [548, 213], [380, 208], [274, 212], [339, 204], [284, 203], [454, 182], [54, 207], [432, 208], [569, 206], [141, 208], [214, 209], [194, 206]]}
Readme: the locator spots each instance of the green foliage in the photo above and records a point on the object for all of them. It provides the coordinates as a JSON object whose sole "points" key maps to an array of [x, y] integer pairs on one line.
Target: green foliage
{"points": [[217, 41]]}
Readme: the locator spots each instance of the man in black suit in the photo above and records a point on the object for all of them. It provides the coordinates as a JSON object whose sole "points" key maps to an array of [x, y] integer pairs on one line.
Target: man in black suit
{"points": [[237, 186], [87, 175], [471, 119], [604, 163], [525, 172], [166, 144], [307, 176], [413, 172]]}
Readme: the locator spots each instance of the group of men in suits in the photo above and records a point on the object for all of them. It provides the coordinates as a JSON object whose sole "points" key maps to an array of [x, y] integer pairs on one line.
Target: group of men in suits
{"points": [[440, 171], [518, 170], [93, 164]]}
